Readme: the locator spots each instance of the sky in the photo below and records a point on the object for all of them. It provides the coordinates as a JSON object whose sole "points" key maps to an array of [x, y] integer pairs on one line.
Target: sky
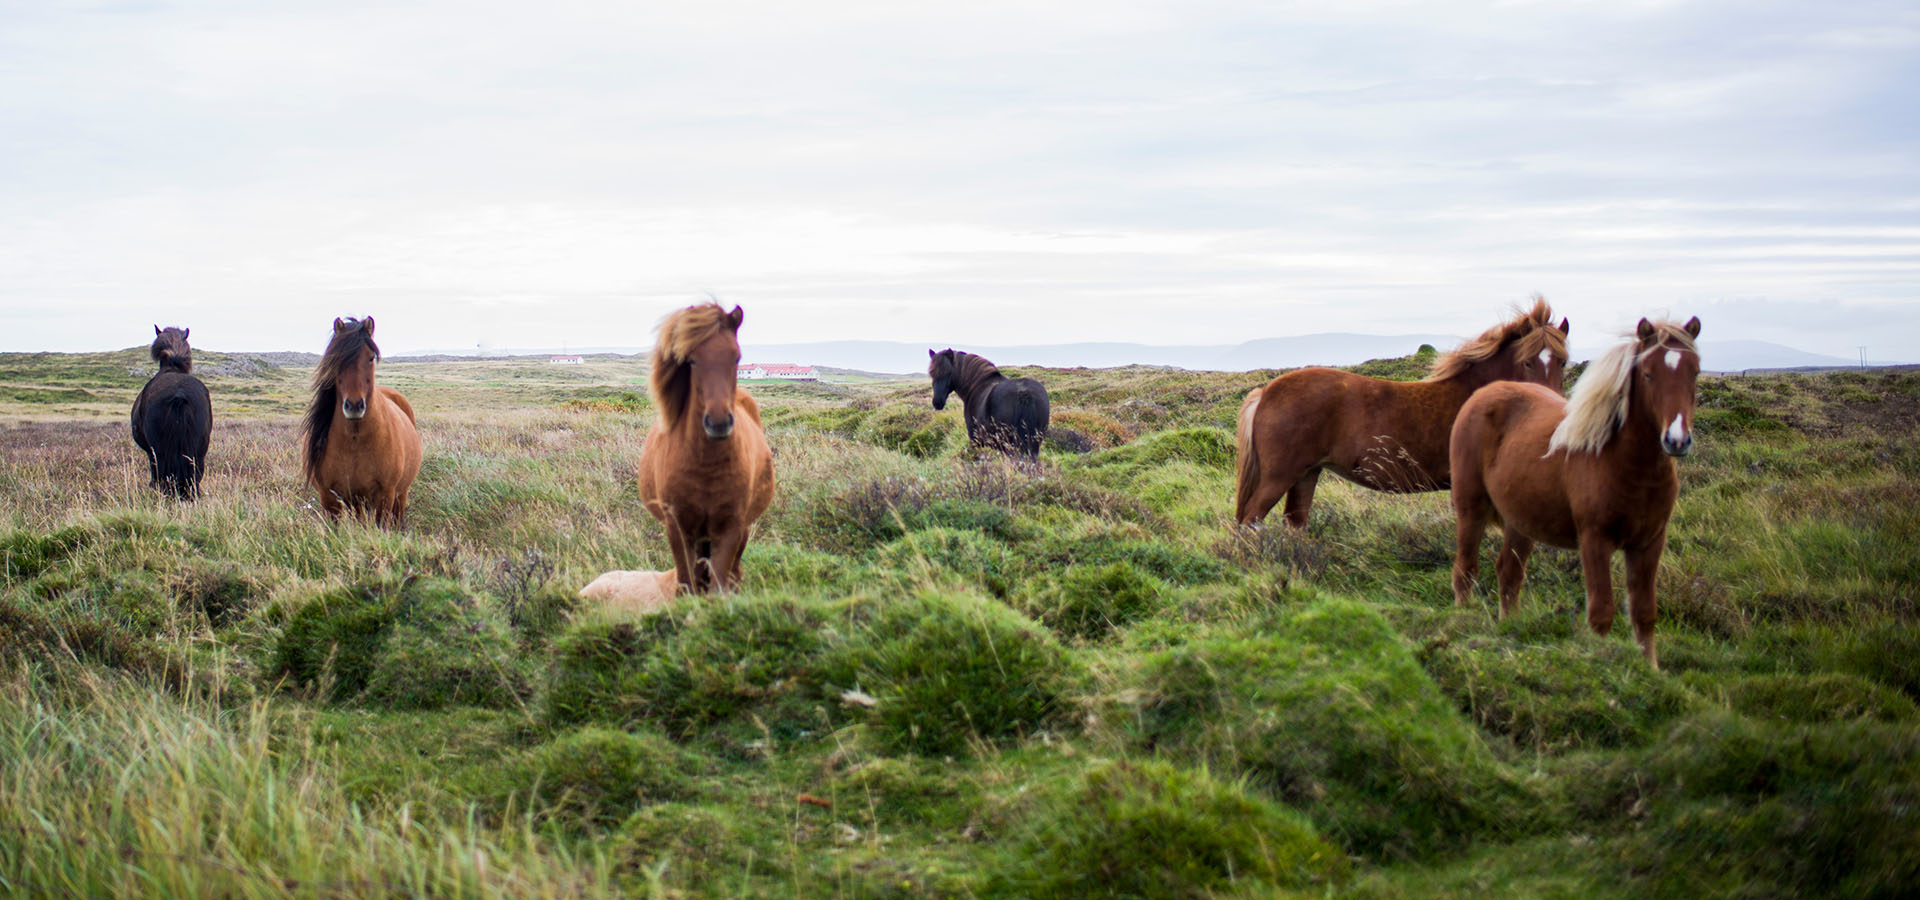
{"points": [[479, 174]]}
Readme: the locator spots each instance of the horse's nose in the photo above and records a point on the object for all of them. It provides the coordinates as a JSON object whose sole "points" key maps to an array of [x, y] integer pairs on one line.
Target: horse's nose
{"points": [[354, 409], [717, 428], [1677, 440]]}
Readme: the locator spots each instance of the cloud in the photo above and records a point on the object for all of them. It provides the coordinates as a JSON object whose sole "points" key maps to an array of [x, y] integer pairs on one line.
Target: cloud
{"points": [[868, 170]]}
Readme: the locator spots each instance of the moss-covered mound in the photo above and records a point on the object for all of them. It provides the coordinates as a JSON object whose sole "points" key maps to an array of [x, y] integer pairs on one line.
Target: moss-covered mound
{"points": [[1156, 830], [1330, 711], [949, 667]]}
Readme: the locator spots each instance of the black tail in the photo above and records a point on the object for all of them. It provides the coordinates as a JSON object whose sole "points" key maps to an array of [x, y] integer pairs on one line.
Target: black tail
{"points": [[178, 426]]}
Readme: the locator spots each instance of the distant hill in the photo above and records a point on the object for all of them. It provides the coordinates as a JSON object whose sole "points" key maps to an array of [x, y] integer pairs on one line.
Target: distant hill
{"points": [[1327, 349]]}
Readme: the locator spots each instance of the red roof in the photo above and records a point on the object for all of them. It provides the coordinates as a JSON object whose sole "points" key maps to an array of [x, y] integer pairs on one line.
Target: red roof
{"points": [[780, 368]]}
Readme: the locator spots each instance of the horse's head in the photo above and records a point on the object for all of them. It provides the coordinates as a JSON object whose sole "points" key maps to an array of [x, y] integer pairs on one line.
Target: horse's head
{"points": [[170, 348], [1540, 356], [350, 360], [1666, 367], [715, 368], [1536, 353], [940, 368], [1528, 347]]}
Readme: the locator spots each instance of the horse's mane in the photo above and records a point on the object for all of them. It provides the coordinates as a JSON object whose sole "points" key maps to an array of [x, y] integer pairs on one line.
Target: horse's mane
{"points": [[170, 350], [344, 348], [970, 369], [680, 332], [1530, 331], [1598, 405]]}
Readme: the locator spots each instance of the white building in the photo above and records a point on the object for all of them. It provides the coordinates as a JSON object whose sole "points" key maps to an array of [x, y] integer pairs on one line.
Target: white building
{"points": [[564, 361], [779, 370]]}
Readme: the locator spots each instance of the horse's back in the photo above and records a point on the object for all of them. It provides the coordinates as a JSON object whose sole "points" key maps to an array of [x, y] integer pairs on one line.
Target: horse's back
{"points": [[1499, 455], [399, 400], [745, 402]]}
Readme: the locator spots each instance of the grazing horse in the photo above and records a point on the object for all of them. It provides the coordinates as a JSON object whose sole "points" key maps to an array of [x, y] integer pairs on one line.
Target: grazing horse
{"points": [[706, 472], [1595, 472], [362, 447], [173, 418], [1007, 414], [1386, 435]]}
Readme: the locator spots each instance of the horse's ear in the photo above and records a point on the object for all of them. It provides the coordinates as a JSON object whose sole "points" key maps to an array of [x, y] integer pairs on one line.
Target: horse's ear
{"points": [[736, 317], [930, 353], [366, 325], [339, 325], [156, 331], [186, 332], [1645, 330], [1565, 329], [1693, 327]]}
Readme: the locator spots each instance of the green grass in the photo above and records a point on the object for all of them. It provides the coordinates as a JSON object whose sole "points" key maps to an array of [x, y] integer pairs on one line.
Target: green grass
{"points": [[944, 677]]}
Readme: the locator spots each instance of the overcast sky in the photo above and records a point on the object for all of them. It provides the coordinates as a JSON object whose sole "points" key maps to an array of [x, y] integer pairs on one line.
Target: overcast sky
{"points": [[540, 174]]}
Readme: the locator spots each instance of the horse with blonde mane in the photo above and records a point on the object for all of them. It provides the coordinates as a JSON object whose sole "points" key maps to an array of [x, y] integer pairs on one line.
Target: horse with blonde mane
{"points": [[362, 449], [706, 472], [1594, 471], [1386, 435]]}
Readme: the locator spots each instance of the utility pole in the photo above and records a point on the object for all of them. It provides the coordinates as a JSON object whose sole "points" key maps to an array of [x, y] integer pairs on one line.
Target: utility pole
{"points": [[1863, 357]]}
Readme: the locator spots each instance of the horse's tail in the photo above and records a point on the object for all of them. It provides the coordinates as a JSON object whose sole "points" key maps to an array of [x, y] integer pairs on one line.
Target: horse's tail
{"points": [[1246, 456]]}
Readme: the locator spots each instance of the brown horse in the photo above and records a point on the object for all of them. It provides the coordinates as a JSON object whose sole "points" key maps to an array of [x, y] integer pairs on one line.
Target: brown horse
{"points": [[706, 472], [1594, 472], [362, 448], [1386, 435]]}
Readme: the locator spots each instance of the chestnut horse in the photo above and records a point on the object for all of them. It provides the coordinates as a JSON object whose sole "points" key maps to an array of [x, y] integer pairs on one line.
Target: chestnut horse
{"points": [[1006, 414], [1595, 472], [706, 472], [1386, 435], [362, 448], [173, 418]]}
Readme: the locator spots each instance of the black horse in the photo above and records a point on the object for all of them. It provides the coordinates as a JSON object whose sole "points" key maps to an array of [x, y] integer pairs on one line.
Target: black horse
{"points": [[173, 418], [1007, 414]]}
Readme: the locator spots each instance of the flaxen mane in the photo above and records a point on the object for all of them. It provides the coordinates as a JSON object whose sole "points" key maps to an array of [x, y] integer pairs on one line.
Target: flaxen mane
{"points": [[341, 350], [1529, 333], [170, 350], [1598, 406], [680, 333]]}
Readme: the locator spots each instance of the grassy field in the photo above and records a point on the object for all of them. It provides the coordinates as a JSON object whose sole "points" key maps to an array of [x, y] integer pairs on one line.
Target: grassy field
{"points": [[945, 678]]}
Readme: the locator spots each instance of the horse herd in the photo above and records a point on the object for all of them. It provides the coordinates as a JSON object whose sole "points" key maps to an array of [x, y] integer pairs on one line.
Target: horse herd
{"points": [[1593, 472]]}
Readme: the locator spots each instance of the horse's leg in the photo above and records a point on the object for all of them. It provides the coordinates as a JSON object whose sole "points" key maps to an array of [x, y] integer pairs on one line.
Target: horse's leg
{"points": [[1471, 528], [682, 559], [1512, 568], [331, 504], [728, 546], [1596, 563], [1300, 498], [1643, 572]]}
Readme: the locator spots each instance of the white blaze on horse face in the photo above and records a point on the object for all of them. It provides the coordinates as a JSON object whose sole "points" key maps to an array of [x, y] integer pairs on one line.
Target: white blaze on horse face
{"points": [[1677, 432], [1546, 358], [1673, 359]]}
